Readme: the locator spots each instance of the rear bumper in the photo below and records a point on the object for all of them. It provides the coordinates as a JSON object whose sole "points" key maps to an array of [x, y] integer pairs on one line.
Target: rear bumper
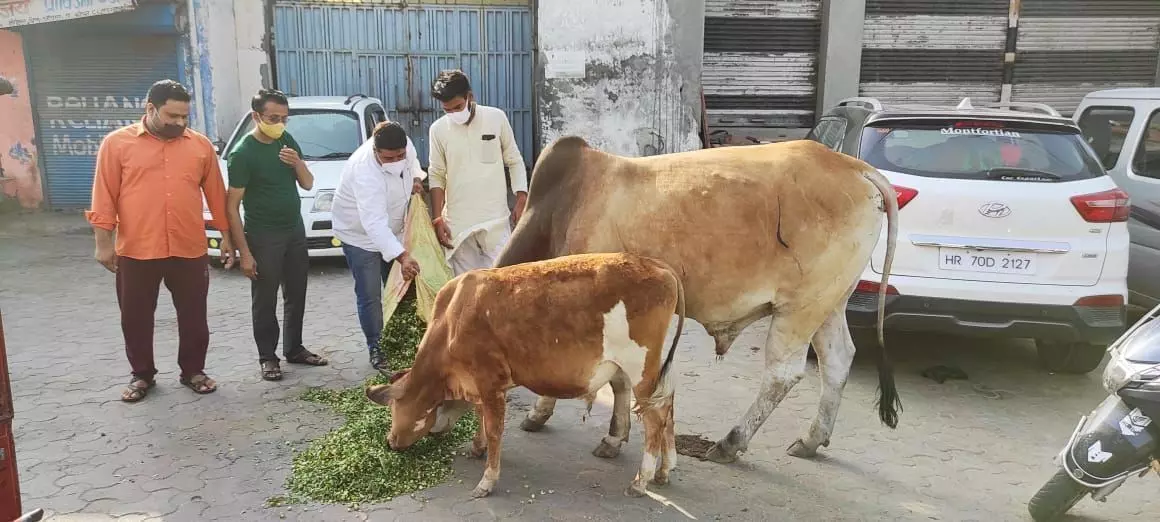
{"points": [[989, 319]]}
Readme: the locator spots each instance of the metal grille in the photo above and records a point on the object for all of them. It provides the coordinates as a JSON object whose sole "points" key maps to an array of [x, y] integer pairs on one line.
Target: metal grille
{"points": [[393, 53], [1068, 48], [933, 51], [83, 92], [761, 62]]}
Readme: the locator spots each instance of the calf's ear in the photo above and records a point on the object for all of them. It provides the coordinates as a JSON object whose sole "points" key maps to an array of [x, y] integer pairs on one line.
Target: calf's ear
{"points": [[379, 394]]}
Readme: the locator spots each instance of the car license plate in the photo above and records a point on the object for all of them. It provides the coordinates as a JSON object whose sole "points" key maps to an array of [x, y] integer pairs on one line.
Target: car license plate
{"points": [[987, 261]]}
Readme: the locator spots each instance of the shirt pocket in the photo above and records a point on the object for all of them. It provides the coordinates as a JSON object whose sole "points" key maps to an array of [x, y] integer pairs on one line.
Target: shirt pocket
{"points": [[189, 173], [489, 148]]}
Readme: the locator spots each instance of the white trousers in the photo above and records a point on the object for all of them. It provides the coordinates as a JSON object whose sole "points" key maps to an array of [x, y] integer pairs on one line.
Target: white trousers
{"points": [[472, 254]]}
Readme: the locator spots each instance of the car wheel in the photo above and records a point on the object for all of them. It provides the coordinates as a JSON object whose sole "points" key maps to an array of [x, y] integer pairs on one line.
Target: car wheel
{"points": [[1077, 358]]}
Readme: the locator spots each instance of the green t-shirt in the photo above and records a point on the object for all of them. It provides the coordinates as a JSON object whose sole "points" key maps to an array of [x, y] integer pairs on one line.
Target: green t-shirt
{"points": [[271, 200]]}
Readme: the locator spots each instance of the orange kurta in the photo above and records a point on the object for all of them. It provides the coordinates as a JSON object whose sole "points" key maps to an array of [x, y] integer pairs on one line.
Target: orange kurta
{"points": [[149, 190]]}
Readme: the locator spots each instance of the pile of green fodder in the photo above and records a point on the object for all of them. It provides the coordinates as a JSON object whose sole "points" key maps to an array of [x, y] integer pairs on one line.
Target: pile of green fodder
{"points": [[352, 464]]}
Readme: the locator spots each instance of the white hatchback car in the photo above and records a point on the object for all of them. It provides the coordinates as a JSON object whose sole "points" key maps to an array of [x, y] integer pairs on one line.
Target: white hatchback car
{"points": [[329, 129], [1009, 226]]}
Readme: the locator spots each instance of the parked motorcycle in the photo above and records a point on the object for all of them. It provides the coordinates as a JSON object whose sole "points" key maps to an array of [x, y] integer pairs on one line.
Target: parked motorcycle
{"points": [[1118, 438]]}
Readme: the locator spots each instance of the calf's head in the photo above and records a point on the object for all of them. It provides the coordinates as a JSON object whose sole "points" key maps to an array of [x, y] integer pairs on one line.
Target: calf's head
{"points": [[414, 407]]}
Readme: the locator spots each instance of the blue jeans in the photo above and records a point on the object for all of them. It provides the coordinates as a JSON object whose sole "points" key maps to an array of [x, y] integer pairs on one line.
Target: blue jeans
{"points": [[370, 274]]}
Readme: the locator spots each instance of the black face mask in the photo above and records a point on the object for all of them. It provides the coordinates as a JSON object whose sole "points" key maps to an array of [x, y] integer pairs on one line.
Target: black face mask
{"points": [[167, 131]]}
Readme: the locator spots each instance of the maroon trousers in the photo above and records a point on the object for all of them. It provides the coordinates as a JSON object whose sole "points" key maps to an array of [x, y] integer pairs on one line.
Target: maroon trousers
{"points": [[138, 284]]}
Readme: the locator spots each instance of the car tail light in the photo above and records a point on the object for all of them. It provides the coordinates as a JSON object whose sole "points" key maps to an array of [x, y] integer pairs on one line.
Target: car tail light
{"points": [[871, 287], [905, 194], [1109, 206], [1101, 301]]}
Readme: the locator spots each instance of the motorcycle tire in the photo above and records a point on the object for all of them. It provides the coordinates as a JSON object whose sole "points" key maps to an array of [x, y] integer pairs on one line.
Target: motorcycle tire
{"points": [[1056, 497]]}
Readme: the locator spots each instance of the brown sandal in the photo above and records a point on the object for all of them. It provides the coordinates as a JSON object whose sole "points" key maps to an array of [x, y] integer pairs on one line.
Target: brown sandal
{"points": [[135, 391], [306, 357], [200, 384], [271, 371]]}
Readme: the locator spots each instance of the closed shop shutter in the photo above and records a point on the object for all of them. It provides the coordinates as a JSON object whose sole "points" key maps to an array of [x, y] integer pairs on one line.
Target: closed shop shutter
{"points": [[89, 77], [393, 51], [1068, 48], [933, 51], [761, 63]]}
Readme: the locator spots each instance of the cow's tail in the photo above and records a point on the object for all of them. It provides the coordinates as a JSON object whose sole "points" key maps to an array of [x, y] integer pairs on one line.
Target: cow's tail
{"points": [[665, 388], [889, 404]]}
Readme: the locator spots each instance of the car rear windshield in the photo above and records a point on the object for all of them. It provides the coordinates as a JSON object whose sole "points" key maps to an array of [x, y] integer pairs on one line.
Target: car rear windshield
{"points": [[322, 134], [979, 149]]}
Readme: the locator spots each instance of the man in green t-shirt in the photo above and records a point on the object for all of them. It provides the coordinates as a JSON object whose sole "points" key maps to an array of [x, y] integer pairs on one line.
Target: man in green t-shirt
{"points": [[265, 170]]}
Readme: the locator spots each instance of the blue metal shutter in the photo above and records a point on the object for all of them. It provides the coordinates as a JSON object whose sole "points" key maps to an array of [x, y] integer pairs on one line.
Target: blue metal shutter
{"points": [[393, 52], [89, 80]]}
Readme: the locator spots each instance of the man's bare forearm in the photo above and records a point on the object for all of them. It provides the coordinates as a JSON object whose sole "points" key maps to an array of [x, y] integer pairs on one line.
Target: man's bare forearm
{"points": [[238, 232], [305, 177], [104, 238]]}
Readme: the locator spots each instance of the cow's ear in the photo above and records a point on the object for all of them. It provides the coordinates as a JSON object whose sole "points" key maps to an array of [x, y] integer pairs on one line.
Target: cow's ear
{"points": [[398, 375], [379, 394]]}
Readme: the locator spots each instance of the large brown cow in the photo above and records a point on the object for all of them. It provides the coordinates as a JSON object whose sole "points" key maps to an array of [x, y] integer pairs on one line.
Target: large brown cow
{"points": [[781, 229], [561, 328]]}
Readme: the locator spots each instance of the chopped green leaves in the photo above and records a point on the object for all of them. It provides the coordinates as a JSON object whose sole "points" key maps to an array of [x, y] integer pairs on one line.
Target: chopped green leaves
{"points": [[352, 464]]}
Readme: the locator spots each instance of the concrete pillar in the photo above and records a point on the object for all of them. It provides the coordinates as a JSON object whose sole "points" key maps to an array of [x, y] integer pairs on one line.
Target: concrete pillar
{"points": [[840, 56]]}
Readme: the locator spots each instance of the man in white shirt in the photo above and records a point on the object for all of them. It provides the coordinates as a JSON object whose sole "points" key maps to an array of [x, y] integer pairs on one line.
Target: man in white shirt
{"points": [[368, 213], [470, 147]]}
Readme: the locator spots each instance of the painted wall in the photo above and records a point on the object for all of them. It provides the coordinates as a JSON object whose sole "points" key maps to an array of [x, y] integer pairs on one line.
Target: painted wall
{"points": [[20, 179], [623, 74]]}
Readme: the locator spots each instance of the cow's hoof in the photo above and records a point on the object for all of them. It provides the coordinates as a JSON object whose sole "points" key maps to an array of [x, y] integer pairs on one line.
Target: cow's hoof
{"points": [[800, 450], [477, 453], [719, 454], [606, 450], [532, 426], [635, 491], [661, 480], [479, 492]]}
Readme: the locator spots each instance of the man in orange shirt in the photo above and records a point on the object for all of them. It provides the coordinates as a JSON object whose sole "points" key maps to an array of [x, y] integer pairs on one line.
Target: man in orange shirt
{"points": [[148, 188]]}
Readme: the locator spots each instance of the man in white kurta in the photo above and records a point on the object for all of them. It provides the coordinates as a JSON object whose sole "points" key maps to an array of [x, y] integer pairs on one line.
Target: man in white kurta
{"points": [[369, 213], [469, 148]]}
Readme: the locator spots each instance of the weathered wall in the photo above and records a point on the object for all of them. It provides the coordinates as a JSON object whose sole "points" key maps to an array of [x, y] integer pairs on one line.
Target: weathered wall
{"points": [[639, 92], [20, 177], [229, 64]]}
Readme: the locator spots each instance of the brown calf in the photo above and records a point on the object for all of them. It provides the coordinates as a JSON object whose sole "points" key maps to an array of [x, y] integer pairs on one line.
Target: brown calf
{"points": [[561, 328]]}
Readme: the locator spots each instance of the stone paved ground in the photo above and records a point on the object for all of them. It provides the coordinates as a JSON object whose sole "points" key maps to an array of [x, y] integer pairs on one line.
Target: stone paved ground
{"points": [[83, 455]]}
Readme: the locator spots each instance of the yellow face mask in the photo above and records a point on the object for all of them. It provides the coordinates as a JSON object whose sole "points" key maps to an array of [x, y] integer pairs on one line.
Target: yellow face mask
{"points": [[273, 130]]}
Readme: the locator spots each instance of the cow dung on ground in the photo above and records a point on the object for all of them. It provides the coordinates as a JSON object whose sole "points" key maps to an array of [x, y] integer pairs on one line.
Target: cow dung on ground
{"points": [[694, 446]]}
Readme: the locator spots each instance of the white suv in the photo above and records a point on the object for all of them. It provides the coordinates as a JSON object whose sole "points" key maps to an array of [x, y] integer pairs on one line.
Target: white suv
{"points": [[329, 129], [1009, 226], [1123, 127]]}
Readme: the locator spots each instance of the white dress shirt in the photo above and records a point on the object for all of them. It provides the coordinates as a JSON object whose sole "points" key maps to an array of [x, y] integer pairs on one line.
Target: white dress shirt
{"points": [[370, 206]]}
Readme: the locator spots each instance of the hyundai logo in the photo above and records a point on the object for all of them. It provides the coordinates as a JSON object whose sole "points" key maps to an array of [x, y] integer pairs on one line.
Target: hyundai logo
{"points": [[995, 210]]}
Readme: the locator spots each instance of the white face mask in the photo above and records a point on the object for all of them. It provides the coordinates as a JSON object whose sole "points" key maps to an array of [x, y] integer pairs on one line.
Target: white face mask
{"points": [[394, 168], [462, 116]]}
